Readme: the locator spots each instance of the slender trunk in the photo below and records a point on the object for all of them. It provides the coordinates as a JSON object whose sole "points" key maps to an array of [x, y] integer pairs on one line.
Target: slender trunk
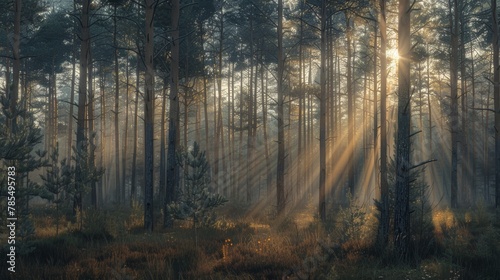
{"points": [[163, 161], [133, 183], [125, 133], [486, 122], [350, 107], [375, 105], [149, 116], [71, 103], [230, 140], [383, 228], [465, 180], [173, 122], [82, 102], [454, 100], [300, 168], [472, 130], [322, 117], [117, 131], [16, 67], [496, 98], [280, 172], [264, 128], [235, 182], [103, 150], [92, 148], [403, 165], [250, 147], [220, 124], [430, 148]]}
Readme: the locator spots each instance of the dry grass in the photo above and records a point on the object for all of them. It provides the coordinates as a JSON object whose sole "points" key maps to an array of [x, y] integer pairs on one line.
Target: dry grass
{"points": [[113, 245]]}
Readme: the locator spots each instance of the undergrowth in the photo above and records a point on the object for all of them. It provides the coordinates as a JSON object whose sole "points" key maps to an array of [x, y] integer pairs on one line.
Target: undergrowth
{"points": [[462, 244]]}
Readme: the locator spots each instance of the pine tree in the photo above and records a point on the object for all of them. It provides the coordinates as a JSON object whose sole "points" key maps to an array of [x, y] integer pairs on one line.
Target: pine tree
{"points": [[17, 153], [56, 180], [196, 201]]}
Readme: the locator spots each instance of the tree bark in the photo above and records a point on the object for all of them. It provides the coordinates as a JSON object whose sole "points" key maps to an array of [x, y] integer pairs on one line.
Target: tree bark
{"points": [[496, 98], [383, 227], [90, 109], [454, 100], [350, 107], [403, 165], [117, 131], [149, 116], [16, 66], [173, 122], [280, 172], [82, 99], [133, 183], [322, 116]]}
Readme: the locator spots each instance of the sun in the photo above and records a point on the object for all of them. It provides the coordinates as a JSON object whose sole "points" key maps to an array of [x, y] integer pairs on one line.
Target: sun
{"points": [[392, 54]]}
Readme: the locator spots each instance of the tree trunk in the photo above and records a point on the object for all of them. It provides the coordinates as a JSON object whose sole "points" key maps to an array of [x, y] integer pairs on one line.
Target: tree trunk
{"points": [[350, 107], [16, 67], [300, 168], [125, 132], [250, 148], [163, 161], [149, 116], [496, 98], [90, 108], [71, 103], [133, 183], [403, 165], [322, 117], [383, 227], [117, 131], [173, 122], [103, 150], [465, 180], [280, 172], [82, 100], [454, 100]]}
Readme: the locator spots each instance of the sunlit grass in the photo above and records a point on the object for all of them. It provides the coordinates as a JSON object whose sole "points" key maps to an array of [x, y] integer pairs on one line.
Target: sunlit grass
{"points": [[241, 247]]}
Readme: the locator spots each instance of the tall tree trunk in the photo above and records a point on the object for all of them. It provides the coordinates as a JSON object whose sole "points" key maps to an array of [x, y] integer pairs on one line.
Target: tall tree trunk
{"points": [[173, 122], [465, 189], [92, 148], [383, 227], [263, 80], [82, 101], [454, 100], [375, 104], [103, 148], [220, 123], [430, 148], [117, 131], [403, 165], [16, 67], [486, 160], [163, 161], [71, 102], [496, 98], [133, 183], [472, 129], [250, 148], [350, 107], [125, 132], [280, 172], [300, 168], [149, 116], [322, 117]]}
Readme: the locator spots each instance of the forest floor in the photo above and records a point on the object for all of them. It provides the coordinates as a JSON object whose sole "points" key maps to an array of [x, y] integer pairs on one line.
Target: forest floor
{"points": [[462, 244]]}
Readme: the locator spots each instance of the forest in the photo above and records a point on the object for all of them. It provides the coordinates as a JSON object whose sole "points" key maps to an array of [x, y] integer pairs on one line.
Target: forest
{"points": [[249, 139]]}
